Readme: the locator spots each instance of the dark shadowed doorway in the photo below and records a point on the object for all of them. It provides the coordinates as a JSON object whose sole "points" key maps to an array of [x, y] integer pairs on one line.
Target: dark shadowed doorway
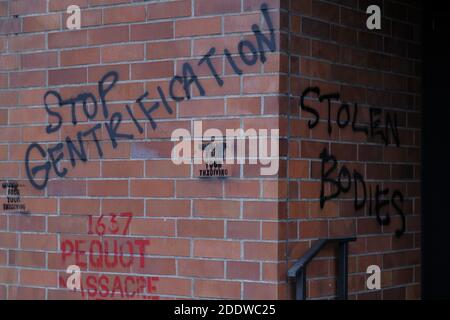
{"points": [[436, 154]]}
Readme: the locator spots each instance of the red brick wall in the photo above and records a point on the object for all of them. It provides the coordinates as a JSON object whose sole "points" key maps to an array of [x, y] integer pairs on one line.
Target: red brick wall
{"points": [[331, 49], [214, 238], [208, 238]]}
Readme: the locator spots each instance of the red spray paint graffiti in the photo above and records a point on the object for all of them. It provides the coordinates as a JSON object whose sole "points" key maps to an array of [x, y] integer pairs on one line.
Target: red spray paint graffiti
{"points": [[109, 255]]}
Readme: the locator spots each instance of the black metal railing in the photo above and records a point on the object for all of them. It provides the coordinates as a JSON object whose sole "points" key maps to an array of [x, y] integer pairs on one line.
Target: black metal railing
{"points": [[298, 270]]}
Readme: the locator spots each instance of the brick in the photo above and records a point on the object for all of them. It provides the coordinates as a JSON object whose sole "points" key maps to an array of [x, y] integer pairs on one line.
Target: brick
{"points": [[240, 23], [31, 97], [41, 206], [243, 106], [201, 268], [9, 170], [2, 43], [39, 60], [243, 270], [260, 291], [3, 9], [207, 7], [10, 61], [261, 84], [67, 188], [243, 230], [8, 275], [10, 134], [66, 224], [153, 150], [198, 189], [274, 230], [152, 70], [27, 223], [322, 287], [152, 227], [263, 251], [26, 293], [67, 76], [4, 152], [97, 72], [324, 11], [124, 14], [313, 229], [198, 27], [27, 259], [169, 49], [166, 168], [316, 28], [217, 249], [107, 2], [61, 5], [38, 278], [107, 188], [39, 241], [27, 79], [122, 169], [4, 120], [171, 9], [3, 80], [26, 42], [151, 31], [136, 207], [108, 35], [221, 289], [66, 39], [130, 52], [89, 17], [175, 286], [23, 7], [299, 169], [152, 188], [42, 23], [260, 210], [169, 247], [312, 149], [9, 99], [80, 56], [200, 228], [203, 45], [165, 130], [8, 240], [168, 208], [197, 108], [155, 266]]}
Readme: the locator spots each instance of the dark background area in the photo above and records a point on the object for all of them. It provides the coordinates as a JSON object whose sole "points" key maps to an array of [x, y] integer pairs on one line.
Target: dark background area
{"points": [[435, 153]]}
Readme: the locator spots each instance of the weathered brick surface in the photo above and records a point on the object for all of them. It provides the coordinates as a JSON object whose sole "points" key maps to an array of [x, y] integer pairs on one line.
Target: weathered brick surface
{"points": [[230, 238], [208, 238], [330, 48]]}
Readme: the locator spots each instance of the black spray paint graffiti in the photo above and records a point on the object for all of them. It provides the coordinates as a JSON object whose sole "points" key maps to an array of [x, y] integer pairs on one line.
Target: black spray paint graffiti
{"points": [[13, 200], [342, 182], [38, 175], [214, 166], [345, 118]]}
